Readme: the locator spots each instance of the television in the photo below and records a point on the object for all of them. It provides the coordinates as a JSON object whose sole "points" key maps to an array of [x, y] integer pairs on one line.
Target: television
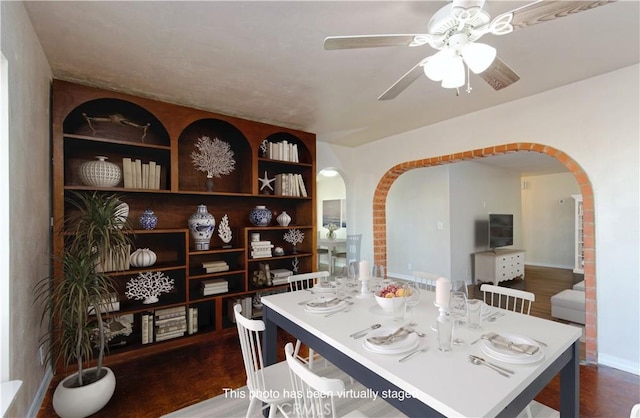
{"points": [[500, 230]]}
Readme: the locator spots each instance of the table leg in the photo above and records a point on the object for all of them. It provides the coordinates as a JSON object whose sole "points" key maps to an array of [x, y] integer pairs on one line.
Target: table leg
{"points": [[570, 385]]}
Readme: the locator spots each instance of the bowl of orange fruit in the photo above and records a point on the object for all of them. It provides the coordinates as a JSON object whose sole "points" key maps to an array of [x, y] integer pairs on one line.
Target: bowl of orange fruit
{"points": [[388, 295]]}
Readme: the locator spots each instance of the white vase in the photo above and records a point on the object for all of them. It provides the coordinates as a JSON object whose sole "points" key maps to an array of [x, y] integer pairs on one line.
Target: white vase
{"points": [[100, 173], [84, 400], [283, 219], [201, 224], [143, 257]]}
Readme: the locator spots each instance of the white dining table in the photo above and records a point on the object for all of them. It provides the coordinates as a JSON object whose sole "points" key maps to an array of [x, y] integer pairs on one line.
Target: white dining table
{"points": [[438, 383]]}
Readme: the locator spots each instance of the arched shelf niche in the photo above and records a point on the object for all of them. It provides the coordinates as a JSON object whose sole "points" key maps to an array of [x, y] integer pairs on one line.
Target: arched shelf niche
{"points": [[115, 129], [193, 180]]}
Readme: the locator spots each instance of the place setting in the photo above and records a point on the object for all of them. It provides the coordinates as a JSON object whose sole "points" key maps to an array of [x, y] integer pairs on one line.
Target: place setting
{"points": [[511, 348], [392, 340], [325, 305]]}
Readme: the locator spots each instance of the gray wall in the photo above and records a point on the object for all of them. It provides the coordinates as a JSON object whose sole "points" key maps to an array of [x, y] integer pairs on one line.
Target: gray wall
{"points": [[29, 156], [438, 211]]}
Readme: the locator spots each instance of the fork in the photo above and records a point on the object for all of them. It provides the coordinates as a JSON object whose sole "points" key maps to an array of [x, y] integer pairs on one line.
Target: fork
{"points": [[413, 353]]}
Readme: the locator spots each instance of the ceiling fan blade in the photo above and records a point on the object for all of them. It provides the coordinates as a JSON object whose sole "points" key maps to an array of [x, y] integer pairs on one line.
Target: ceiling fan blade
{"points": [[544, 10], [374, 41], [404, 82], [499, 75]]}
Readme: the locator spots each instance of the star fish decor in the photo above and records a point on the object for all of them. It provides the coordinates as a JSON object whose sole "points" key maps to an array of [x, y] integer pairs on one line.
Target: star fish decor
{"points": [[266, 183]]}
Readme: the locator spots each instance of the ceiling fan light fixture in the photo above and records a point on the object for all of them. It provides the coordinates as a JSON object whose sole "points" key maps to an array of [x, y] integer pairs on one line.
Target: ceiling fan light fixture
{"points": [[436, 66], [478, 57], [454, 75]]}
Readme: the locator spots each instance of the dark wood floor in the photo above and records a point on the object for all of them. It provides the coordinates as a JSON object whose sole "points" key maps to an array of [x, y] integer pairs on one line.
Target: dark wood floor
{"points": [[155, 385]]}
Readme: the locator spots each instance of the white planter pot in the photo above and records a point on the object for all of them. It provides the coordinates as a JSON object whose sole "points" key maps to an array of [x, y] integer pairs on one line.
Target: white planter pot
{"points": [[86, 400]]}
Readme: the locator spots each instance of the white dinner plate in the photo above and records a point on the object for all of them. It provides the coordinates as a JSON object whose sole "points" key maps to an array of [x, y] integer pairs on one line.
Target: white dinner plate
{"points": [[324, 309], [324, 287], [409, 342], [508, 356]]}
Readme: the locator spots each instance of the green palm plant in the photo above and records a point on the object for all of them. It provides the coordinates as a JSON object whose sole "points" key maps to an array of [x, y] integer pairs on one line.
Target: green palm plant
{"points": [[96, 232]]}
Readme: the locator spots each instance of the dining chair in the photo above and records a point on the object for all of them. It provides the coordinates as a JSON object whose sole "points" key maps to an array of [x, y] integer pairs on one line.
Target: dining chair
{"points": [[315, 394], [513, 298], [425, 281], [266, 384], [301, 282], [351, 253]]}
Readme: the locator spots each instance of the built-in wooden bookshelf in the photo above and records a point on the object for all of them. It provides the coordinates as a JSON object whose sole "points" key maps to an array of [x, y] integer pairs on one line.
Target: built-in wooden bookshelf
{"points": [[122, 127]]}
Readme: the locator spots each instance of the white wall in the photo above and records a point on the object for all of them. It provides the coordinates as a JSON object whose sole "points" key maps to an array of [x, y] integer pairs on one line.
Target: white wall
{"points": [[596, 123], [548, 219], [29, 165], [417, 201]]}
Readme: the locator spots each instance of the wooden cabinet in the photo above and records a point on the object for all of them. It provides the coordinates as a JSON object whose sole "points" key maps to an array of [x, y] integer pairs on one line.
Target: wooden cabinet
{"points": [[578, 263], [89, 122], [499, 265]]}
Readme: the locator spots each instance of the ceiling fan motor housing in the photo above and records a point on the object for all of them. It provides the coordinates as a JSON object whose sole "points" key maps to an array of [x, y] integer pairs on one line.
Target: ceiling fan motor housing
{"points": [[445, 23]]}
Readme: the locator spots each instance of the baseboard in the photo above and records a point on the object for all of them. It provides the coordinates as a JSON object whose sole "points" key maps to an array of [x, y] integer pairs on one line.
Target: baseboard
{"points": [[620, 364], [555, 266], [42, 391]]}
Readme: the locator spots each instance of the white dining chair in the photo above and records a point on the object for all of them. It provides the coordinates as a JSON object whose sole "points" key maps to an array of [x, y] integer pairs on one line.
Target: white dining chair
{"points": [[513, 298], [266, 384], [315, 394], [351, 253], [302, 282]]}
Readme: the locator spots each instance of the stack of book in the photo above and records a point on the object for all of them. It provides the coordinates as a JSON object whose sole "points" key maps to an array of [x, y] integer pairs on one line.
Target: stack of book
{"points": [[290, 184], [261, 249], [170, 323], [280, 276], [283, 150], [215, 266], [137, 175], [214, 286], [245, 302]]}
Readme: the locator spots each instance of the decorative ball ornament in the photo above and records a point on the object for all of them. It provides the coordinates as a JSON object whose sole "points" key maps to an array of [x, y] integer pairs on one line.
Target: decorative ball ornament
{"points": [[260, 216], [143, 257], [148, 219], [100, 173]]}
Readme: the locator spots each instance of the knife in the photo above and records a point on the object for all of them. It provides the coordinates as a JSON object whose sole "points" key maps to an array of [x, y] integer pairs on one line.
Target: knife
{"points": [[364, 332]]}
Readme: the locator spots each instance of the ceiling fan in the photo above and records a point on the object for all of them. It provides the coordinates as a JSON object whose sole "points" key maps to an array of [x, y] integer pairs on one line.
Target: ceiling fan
{"points": [[453, 31]]}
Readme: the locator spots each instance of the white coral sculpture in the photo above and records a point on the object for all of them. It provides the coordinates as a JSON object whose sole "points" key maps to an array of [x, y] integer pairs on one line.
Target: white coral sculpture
{"points": [[214, 156], [224, 232], [294, 236], [148, 286]]}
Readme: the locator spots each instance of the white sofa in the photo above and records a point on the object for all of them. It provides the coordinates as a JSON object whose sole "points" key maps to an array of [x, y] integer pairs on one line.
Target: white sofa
{"points": [[569, 305]]}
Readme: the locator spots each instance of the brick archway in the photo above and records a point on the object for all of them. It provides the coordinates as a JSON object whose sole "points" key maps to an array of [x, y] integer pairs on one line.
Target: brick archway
{"points": [[380, 219]]}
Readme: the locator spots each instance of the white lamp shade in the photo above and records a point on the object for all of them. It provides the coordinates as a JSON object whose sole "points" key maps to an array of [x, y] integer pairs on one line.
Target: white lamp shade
{"points": [[478, 57], [454, 76], [436, 66]]}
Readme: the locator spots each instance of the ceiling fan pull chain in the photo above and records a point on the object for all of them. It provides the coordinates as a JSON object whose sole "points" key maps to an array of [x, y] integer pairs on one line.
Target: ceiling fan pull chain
{"points": [[468, 81]]}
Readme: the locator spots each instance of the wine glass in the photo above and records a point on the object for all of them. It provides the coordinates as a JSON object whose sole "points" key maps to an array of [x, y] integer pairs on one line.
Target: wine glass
{"points": [[460, 286], [458, 310], [412, 297]]}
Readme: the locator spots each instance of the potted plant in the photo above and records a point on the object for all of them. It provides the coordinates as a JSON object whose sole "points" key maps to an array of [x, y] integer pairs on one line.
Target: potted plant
{"points": [[77, 296]]}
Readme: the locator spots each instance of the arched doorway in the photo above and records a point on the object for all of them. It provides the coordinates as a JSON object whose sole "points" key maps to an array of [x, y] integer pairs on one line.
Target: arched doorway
{"points": [[384, 185]]}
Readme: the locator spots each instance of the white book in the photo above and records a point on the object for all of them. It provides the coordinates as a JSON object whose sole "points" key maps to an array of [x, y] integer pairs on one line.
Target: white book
{"points": [[157, 176], [303, 189], [150, 328], [126, 172], [151, 175], [145, 329], [296, 157], [285, 150], [137, 174], [145, 176]]}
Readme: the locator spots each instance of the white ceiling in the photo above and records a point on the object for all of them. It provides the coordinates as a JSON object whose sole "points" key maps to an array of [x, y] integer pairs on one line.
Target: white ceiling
{"points": [[264, 60]]}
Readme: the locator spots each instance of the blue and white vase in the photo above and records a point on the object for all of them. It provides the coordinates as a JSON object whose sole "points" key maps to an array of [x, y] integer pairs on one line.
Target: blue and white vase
{"points": [[148, 219], [201, 224], [260, 216]]}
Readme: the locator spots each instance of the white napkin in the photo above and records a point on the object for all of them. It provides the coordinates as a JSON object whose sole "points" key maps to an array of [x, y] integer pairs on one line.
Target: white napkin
{"points": [[498, 340], [324, 303]]}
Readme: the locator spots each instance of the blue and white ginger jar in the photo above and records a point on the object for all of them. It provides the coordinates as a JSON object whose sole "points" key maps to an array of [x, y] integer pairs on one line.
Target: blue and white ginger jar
{"points": [[260, 216], [201, 224], [148, 219]]}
